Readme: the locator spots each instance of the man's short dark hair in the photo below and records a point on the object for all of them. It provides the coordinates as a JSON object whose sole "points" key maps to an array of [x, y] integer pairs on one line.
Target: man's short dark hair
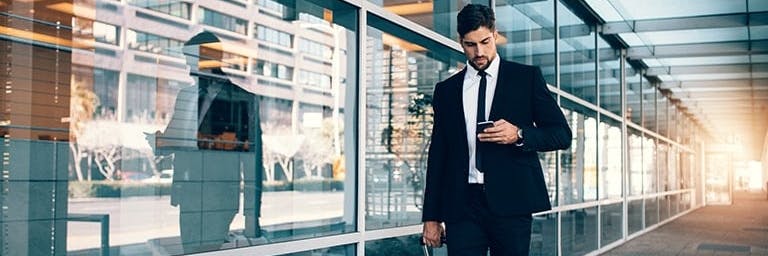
{"points": [[473, 16]]}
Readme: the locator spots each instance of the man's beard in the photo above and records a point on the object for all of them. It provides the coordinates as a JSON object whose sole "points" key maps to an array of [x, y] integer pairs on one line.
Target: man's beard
{"points": [[474, 65]]}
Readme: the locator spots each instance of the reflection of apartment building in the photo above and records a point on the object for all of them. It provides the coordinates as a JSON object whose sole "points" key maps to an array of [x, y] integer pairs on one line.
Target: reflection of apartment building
{"points": [[136, 64]]}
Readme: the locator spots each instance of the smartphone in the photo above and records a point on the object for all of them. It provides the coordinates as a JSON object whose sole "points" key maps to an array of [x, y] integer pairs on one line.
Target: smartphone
{"points": [[483, 125]]}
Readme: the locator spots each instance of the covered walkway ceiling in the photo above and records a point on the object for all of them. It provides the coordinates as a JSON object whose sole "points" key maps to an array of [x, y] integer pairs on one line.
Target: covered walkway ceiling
{"points": [[710, 57]]}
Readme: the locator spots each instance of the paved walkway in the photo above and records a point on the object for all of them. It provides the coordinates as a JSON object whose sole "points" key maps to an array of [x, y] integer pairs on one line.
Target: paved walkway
{"points": [[738, 229]]}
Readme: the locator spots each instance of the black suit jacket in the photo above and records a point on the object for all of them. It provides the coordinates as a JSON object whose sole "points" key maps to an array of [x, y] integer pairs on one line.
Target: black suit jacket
{"points": [[513, 177]]}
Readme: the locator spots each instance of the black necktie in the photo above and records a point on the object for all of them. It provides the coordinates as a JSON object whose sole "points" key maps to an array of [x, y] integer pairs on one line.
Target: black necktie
{"points": [[480, 117]]}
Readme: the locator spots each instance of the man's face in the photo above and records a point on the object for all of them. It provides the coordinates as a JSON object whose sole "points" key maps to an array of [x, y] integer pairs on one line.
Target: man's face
{"points": [[479, 46]]}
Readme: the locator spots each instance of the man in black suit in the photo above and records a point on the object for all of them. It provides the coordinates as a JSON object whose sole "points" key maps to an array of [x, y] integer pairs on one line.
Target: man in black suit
{"points": [[484, 182]]}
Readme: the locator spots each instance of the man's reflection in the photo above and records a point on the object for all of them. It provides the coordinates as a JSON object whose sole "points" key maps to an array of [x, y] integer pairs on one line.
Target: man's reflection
{"points": [[215, 139]]}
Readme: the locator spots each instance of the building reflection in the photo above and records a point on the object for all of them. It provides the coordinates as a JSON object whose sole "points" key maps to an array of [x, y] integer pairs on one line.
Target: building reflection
{"points": [[98, 90]]}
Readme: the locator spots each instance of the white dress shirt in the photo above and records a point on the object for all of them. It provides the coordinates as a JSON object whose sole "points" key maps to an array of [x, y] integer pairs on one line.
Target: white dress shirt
{"points": [[470, 88]]}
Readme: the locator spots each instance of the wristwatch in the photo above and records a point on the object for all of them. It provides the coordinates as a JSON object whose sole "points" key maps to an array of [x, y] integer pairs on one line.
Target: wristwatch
{"points": [[519, 141]]}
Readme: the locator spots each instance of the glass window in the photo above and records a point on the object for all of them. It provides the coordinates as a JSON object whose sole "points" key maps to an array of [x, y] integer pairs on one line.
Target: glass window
{"points": [[635, 216], [272, 7], [269, 69], [579, 231], [341, 250], [686, 169], [548, 162], [314, 48], [611, 217], [402, 71], [314, 79], [439, 16], [577, 56], [635, 161], [274, 36], [634, 110], [100, 87], [578, 175], [609, 70], [665, 207], [609, 153], [147, 42], [650, 168], [674, 122], [184, 157], [37, 85], [544, 235], [673, 168], [685, 202], [648, 105], [527, 30], [651, 211], [173, 7], [662, 114], [140, 94], [662, 165], [222, 21], [86, 29]]}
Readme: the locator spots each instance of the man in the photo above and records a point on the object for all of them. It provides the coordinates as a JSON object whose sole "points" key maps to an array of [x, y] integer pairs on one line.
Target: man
{"points": [[485, 183], [214, 136]]}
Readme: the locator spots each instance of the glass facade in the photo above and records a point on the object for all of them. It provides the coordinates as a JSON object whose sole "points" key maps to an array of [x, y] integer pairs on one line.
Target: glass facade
{"points": [[401, 75], [160, 127]]}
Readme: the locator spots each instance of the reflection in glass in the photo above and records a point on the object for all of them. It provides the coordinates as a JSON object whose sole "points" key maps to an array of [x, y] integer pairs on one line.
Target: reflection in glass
{"points": [[634, 216], [609, 153], [674, 204], [101, 32], [635, 161], [650, 168], [651, 211], [634, 112], [662, 114], [609, 69], [662, 152], [220, 20], [577, 56], [611, 217], [152, 43], [438, 15], [527, 30], [665, 203], [579, 231], [403, 245], [401, 79], [648, 101], [224, 148], [548, 162], [341, 250], [176, 8], [36, 75], [673, 169], [578, 176], [544, 235]]}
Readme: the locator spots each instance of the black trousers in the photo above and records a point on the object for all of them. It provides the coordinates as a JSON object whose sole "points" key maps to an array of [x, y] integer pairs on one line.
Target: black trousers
{"points": [[505, 236]]}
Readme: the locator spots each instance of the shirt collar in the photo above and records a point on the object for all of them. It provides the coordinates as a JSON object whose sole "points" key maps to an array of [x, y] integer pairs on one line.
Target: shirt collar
{"points": [[492, 70]]}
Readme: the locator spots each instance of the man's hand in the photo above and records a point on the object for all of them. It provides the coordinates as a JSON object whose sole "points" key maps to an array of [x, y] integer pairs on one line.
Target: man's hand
{"points": [[432, 233], [502, 132]]}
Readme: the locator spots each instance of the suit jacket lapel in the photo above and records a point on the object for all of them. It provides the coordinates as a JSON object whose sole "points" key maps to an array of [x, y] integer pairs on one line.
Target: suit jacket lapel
{"points": [[458, 86]]}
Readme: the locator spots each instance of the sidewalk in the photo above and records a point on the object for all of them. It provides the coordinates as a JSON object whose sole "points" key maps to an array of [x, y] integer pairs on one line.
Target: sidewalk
{"points": [[738, 229]]}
